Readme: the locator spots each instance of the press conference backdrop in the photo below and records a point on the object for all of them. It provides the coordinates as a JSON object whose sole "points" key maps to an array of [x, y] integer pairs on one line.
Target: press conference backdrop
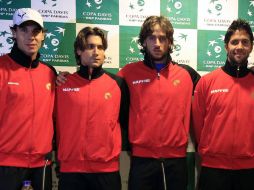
{"points": [[199, 25]]}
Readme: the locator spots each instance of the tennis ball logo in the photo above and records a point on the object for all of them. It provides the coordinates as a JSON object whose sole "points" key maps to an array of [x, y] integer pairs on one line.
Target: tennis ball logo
{"points": [[94, 4], [216, 7], [174, 7], [137, 5]]}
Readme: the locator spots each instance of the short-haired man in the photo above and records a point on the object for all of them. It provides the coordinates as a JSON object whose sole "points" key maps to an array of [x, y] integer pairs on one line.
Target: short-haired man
{"points": [[223, 110]]}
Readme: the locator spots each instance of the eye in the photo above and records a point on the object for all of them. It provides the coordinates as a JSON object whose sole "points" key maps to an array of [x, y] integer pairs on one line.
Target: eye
{"points": [[234, 42], [162, 38], [100, 47], [92, 46], [151, 38], [23, 29], [36, 31], [246, 42]]}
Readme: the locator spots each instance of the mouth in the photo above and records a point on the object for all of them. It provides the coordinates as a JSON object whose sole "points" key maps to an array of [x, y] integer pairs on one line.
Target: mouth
{"points": [[31, 45], [157, 51], [239, 55]]}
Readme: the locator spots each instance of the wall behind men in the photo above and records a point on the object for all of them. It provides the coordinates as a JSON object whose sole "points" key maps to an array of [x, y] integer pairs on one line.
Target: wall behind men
{"points": [[199, 25]]}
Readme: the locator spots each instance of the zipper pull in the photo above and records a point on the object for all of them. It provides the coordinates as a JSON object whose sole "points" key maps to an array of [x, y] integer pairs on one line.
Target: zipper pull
{"points": [[158, 76], [90, 72], [238, 70]]}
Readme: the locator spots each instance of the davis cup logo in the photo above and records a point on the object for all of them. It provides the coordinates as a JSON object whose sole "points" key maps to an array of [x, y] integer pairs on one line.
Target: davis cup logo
{"points": [[134, 45], [250, 11], [52, 40], [6, 2], [95, 3], [51, 3], [137, 5], [174, 7], [215, 47], [6, 41], [179, 43], [216, 7]]}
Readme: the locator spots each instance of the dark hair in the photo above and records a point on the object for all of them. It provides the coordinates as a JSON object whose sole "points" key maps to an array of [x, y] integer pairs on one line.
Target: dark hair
{"points": [[81, 40], [238, 24], [148, 27]]}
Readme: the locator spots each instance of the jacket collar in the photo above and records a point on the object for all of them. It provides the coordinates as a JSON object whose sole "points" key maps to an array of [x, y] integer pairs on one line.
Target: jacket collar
{"points": [[84, 72], [234, 70], [22, 59], [149, 62]]}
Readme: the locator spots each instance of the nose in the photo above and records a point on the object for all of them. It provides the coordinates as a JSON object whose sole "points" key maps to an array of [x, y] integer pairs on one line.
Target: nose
{"points": [[240, 45], [157, 42], [95, 50]]}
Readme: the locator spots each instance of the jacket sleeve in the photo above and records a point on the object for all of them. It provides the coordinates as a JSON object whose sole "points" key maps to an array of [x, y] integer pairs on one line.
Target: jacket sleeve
{"points": [[198, 109], [124, 109], [193, 74], [124, 115]]}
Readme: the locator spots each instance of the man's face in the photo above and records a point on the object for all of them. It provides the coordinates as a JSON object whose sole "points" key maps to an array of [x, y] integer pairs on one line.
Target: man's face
{"points": [[94, 54], [157, 45], [239, 47], [29, 38]]}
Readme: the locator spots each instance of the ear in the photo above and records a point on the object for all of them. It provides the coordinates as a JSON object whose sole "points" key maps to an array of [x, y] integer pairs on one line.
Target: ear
{"points": [[79, 52], [44, 34], [13, 33], [226, 47]]}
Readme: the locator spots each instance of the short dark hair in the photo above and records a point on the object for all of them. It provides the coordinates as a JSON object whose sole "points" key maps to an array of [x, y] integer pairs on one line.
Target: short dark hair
{"points": [[148, 27], [238, 24], [81, 40]]}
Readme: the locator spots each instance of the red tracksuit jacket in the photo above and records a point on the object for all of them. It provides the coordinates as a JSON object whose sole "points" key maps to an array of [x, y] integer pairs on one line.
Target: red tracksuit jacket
{"points": [[26, 106], [88, 123], [160, 106], [223, 109]]}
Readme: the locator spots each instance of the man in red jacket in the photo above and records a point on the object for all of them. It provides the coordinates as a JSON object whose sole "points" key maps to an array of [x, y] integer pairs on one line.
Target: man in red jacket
{"points": [[160, 106], [89, 111], [26, 106], [223, 110]]}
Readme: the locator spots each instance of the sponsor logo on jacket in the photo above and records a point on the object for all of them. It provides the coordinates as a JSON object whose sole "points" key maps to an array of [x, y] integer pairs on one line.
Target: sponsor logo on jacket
{"points": [[141, 81], [71, 89], [222, 90], [13, 83]]}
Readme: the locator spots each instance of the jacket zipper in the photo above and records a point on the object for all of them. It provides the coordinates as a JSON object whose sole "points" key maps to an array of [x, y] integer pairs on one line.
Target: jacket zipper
{"points": [[33, 112], [236, 120], [87, 115]]}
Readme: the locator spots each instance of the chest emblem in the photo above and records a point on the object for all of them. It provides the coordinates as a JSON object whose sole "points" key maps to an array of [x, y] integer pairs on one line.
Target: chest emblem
{"points": [[107, 95], [176, 82], [48, 86]]}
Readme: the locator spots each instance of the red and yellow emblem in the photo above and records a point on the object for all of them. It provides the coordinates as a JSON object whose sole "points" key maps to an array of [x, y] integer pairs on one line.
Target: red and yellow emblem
{"points": [[107, 95], [176, 82], [48, 86]]}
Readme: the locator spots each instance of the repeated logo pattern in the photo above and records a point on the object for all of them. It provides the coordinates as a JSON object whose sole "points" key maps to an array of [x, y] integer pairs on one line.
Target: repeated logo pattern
{"points": [[58, 46]]}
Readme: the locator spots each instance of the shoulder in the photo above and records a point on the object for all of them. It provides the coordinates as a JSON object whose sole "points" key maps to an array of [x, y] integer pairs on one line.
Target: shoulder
{"points": [[118, 79], [192, 72], [129, 68], [50, 67], [4, 59]]}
